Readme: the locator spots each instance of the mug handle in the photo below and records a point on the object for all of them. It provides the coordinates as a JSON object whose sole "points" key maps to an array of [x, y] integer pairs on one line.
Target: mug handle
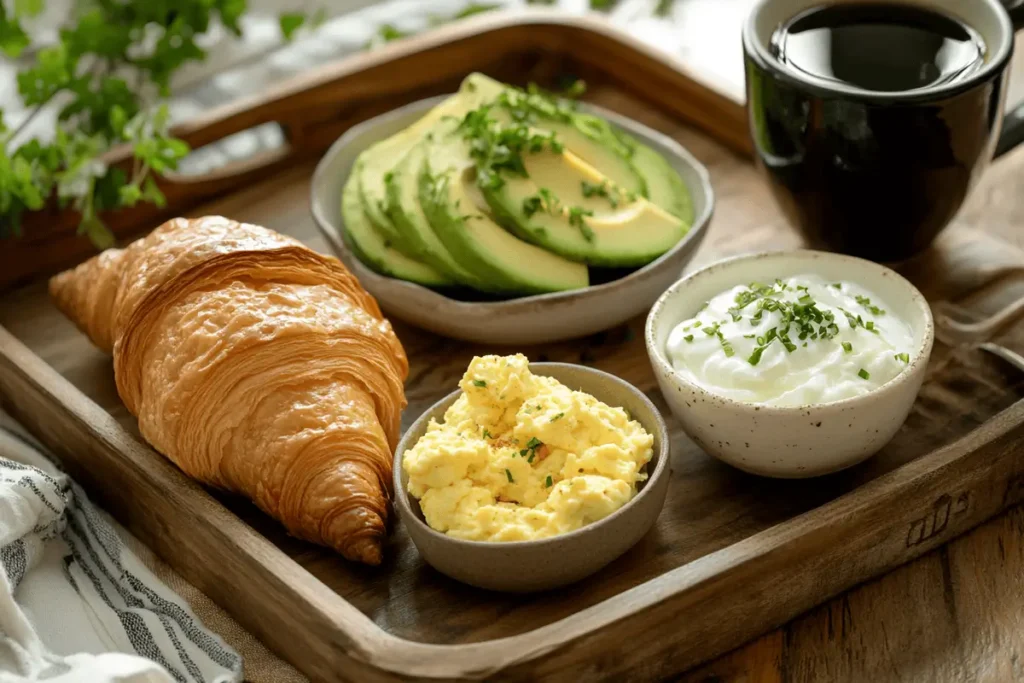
{"points": [[1013, 124]]}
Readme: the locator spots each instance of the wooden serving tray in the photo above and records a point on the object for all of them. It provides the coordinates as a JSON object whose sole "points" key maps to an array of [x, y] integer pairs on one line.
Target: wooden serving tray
{"points": [[732, 555]]}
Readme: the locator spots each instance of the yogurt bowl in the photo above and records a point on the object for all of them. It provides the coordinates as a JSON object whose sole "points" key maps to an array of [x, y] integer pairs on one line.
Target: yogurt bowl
{"points": [[800, 439]]}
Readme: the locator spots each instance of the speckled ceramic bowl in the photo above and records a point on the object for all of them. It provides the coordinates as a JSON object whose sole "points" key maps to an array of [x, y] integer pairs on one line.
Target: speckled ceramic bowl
{"points": [[791, 441], [525, 320], [525, 566]]}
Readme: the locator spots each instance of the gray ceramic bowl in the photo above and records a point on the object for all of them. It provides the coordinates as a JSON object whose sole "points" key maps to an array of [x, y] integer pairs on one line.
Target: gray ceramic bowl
{"points": [[525, 320], [524, 566]]}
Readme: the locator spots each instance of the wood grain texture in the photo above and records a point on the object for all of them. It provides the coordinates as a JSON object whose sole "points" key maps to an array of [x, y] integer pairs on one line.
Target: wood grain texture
{"points": [[731, 555]]}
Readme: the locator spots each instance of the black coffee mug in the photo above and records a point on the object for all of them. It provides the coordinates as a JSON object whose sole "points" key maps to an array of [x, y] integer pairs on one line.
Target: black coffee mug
{"points": [[878, 174]]}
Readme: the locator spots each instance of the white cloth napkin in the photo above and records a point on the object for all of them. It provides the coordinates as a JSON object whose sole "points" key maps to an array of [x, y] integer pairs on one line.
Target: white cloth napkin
{"points": [[76, 606]]}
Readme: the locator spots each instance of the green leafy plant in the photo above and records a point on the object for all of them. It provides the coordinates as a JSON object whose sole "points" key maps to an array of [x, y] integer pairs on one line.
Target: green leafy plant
{"points": [[105, 74]]}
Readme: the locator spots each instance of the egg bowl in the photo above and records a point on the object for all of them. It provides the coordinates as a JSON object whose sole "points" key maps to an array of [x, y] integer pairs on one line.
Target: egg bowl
{"points": [[526, 566], [533, 319], [790, 441]]}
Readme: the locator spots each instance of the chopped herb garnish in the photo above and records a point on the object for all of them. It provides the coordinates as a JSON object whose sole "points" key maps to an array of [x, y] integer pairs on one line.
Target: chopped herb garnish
{"points": [[497, 148], [847, 347], [864, 374], [558, 417], [613, 195], [726, 345], [531, 205], [866, 303], [904, 357], [576, 215], [523, 453], [755, 357], [487, 435], [727, 348], [688, 338], [578, 87], [837, 285], [547, 482], [534, 442], [509, 475], [479, 383]]}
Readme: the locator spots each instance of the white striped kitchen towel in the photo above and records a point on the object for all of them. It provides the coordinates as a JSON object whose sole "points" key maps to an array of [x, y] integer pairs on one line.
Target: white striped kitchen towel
{"points": [[76, 606]]}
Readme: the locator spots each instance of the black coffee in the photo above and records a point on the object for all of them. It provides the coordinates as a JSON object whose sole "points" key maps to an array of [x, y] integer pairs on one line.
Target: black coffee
{"points": [[886, 47]]}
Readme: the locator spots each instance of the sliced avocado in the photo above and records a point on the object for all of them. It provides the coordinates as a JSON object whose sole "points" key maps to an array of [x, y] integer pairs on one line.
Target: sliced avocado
{"points": [[407, 213], [374, 164], [497, 258], [566, 206], [374, 250], [588, 137], [665, 187], [402, 182], [368, 172]]}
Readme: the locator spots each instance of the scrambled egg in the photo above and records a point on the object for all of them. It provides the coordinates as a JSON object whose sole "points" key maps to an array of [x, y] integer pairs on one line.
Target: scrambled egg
{"points": [[521, 457]]}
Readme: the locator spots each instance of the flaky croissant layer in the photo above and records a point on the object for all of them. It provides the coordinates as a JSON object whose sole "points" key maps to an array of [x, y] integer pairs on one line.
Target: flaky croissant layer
{"points": [[256, 365]]}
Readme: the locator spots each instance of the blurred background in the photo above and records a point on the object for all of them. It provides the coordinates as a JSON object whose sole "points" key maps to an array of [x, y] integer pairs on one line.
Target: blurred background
{"points": [[704, 34]]}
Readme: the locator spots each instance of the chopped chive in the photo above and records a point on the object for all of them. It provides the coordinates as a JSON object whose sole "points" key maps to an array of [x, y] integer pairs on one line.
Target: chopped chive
{"points": [[848, 347], [864, 374], [487, 435], [558, 417], [534, 442], [806, 299], [509, 475], [688, 338], [905, 357], [866, 303], [837, 285], [755, 357], [479, 383], [547, 482], [532, 455]]}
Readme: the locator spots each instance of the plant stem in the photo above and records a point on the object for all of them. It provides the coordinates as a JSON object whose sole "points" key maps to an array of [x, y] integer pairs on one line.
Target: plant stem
{"points": [[28, 119]]}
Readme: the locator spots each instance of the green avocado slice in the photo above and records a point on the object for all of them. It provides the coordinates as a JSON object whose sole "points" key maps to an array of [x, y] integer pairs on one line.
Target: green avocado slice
{"points": [[504, 263], [369, 170], [407, 212], [566, 206], [373, 249], [665, 187]]}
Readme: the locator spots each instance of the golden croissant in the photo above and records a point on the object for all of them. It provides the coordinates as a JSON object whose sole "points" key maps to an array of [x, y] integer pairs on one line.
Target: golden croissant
{"points": [[256, 365]]}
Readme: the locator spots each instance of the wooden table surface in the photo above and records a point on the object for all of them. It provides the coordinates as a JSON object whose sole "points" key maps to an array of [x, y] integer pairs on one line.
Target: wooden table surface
{"points": [[955, 614]]}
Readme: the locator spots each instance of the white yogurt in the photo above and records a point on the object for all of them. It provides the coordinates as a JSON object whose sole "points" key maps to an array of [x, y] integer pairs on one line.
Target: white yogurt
{"points": [[728, 350]]}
